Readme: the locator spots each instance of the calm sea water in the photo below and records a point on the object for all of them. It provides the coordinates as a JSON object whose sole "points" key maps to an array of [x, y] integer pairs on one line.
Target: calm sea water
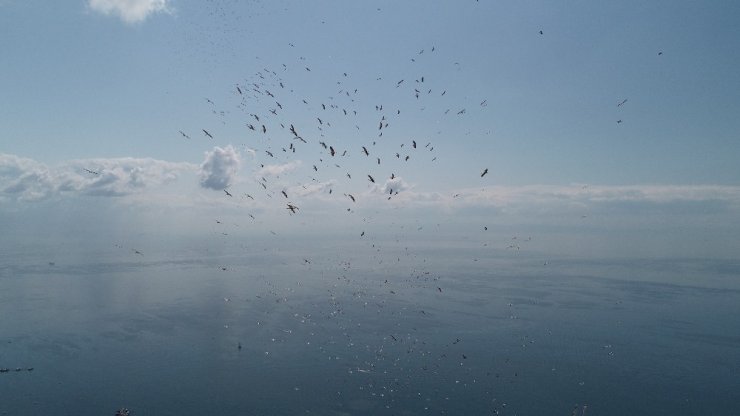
{"points": [[423, 333]]}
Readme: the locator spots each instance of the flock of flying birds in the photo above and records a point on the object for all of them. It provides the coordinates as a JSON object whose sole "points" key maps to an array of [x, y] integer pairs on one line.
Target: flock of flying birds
{"points": [[267, 102], [277, 129], [282, 126]]}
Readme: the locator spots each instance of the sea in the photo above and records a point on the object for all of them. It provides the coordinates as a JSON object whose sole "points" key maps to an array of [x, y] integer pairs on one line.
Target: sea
{"points": [[370, 330]]}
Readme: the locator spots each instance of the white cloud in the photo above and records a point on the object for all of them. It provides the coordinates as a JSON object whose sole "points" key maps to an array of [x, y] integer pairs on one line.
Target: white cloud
{"points": [[397, 185], [130, 11], [25, 179], [250, 151], [277, 170], [578, 194], [220, 168], [313, 189], [537, 200], [150, 182]]}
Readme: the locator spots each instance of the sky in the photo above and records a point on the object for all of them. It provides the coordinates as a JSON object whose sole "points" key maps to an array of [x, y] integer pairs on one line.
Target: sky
{"points": [[603, 127]]}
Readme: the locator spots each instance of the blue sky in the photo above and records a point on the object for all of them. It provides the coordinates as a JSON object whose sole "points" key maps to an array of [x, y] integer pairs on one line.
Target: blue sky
{"points": [[107, 85]]}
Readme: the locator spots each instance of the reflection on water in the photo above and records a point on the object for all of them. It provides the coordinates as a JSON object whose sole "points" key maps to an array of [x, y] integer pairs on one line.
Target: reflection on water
{"points": [[334, 337]]}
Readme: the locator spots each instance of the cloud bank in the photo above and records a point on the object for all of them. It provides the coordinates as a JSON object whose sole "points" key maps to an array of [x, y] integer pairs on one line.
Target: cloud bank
{"points": [[25, 179], [156, 182], [220, 167], [130, 11]]}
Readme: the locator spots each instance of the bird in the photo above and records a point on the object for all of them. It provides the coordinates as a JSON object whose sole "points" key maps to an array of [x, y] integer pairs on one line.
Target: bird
{"points": [[292, 208], [91, 171], [227, 193], [184, 135], [484, 172], [207, 133], [371, 178], [364, 150]]}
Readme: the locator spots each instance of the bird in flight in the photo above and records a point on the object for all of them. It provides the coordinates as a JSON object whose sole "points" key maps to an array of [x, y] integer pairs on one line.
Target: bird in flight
{"points": [[484, 172], [292, 208], [228, 193], [91, 171], [184, 135], [207, 133]]}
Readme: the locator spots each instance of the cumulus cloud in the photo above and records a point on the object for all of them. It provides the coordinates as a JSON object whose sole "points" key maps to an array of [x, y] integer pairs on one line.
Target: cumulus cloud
{"points": [[25, 179], [130, 11], [397, 185], [220, 167]]}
